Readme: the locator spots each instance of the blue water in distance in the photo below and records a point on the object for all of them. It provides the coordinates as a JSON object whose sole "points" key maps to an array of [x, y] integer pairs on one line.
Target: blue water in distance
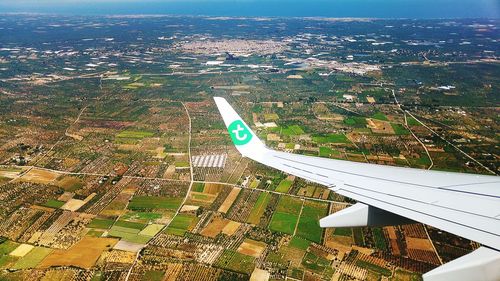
{"points": [[277, 8]]}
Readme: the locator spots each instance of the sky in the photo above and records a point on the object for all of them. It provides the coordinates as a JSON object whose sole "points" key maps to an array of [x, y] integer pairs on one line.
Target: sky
{"points": [[277, 8]]}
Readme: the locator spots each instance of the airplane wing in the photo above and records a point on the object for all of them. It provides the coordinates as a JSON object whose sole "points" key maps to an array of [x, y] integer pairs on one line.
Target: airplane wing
{"points": [[467, 205]]}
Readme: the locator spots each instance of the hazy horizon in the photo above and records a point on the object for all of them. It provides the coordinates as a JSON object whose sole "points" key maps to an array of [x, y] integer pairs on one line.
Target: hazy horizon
{"points": [[423, 9]]}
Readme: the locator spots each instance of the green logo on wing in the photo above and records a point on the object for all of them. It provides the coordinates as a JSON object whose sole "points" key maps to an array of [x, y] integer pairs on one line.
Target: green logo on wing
{"points": [[239, 133]]}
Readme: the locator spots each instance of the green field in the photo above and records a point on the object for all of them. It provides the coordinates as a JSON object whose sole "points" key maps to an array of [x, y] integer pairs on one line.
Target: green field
{"points": [[402, 275], [299, 243], [295, 273], [51, 203], [343, 231], [182, 164], [271, 117], [153, 275], [423, 160], [129, 224], [130, 134], [327, 151], [128, 234], [259, 208], [315, 263], [151, 230], [154, 202], [308, 226], [399, 129], [356, 121], [143, 217], [120, 230], [284, 186], [180, 224], [100, 223], [198, 187], [255, 183], [293, 130], [412, 121], [286, 215], [283, 222], [379, 239], [200, 196], [94, 233], [7, 261], [373, 267], [236, 262], [33, 258], [359, 238], [330, 138], [288, 204], [380, 116], [8, 246]]}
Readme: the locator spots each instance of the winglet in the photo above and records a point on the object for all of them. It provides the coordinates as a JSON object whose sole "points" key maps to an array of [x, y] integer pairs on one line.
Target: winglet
{"points": [[247, 143]]}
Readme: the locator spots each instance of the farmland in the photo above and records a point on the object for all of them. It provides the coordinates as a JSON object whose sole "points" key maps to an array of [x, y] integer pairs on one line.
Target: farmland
{"points": [[308, 226], [286, 216], [33, 258], [284, 186], [84, 254], [150, 202], [331, 138], [236, 262], [180, 224], [259, 208]]}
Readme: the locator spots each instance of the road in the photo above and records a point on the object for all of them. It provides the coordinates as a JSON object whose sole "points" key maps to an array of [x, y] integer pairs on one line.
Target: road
{"points": [[411, 131]]}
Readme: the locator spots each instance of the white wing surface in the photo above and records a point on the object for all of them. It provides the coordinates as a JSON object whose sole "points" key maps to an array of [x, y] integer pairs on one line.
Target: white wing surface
{"points": [[467, 205]]}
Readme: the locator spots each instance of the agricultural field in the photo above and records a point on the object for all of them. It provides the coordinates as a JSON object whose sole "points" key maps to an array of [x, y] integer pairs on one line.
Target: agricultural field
{"points": [[236, 262], [330, 138], [101, 223], [284, 185], [308, 226], [51, 203], [151, 202], [259, 208], [84, 254], [32, 258], [180, 224], [286, 215]]}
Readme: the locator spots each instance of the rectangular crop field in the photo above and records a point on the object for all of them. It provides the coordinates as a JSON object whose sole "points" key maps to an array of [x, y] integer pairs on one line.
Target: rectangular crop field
{"points": [[259, 208], [33, 258], [154, 202], [180, 224], [83, 254], [228, 202], [142, 217], [293, 130], [299, 243], [286, 215], [284, 186], [308, 226], [331, 138], [283, 222], [399, 129], [101, 223], [236, 262], [54, 203], [288, 204], [130, 224], [130, 134]]}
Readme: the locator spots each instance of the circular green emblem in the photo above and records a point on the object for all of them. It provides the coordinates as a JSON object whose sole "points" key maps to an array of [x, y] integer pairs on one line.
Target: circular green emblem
{"points": [[239, 133]]}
